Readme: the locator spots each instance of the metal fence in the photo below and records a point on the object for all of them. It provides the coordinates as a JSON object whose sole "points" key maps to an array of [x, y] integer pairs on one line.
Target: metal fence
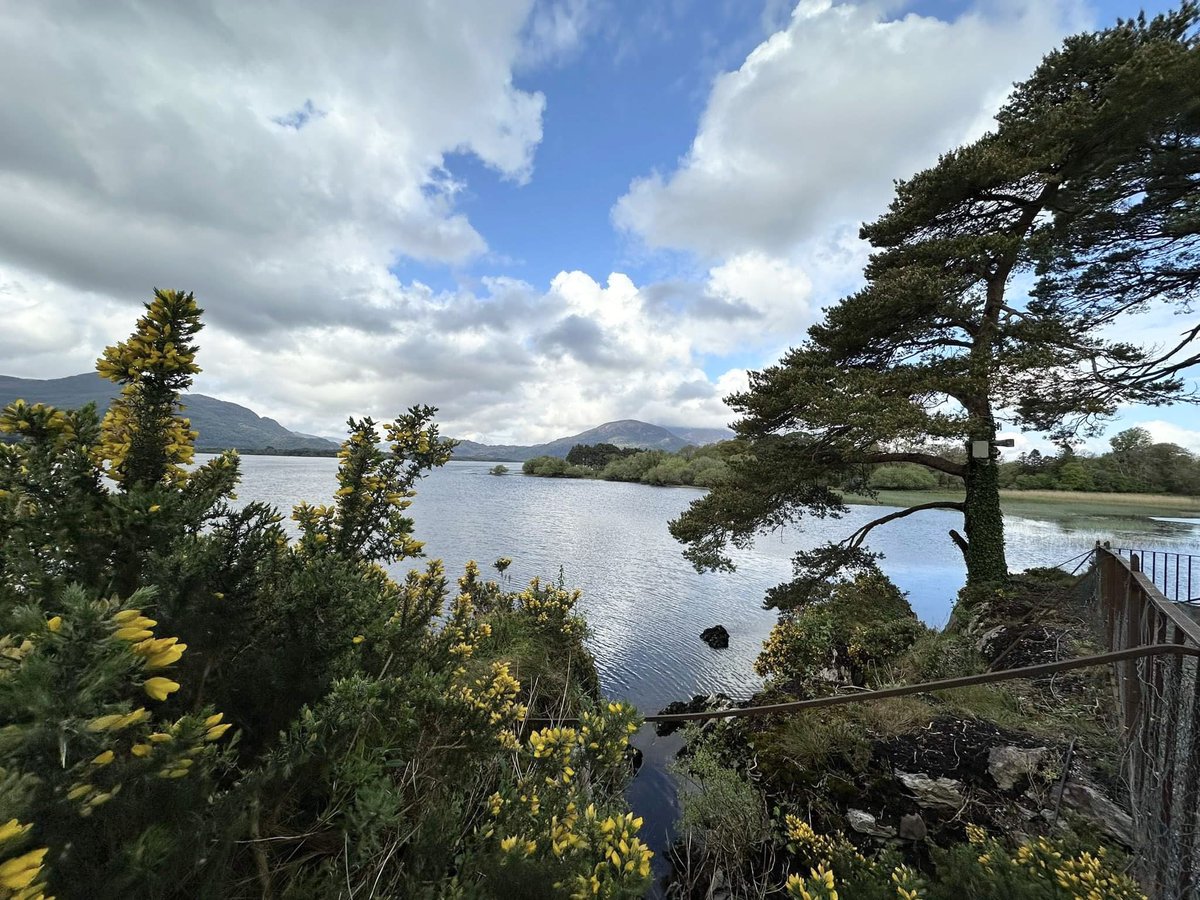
{"points": [[1177, 575], [1159, 706]]}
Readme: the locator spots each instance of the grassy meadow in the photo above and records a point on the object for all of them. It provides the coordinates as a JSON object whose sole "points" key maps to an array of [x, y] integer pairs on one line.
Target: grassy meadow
{"points": [[1053, 504]]}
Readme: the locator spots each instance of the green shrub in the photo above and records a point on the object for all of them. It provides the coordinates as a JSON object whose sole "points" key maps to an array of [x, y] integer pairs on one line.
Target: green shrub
{"points": [[981, 868], [902, 477], [196, 705], [856, 626], [632, 468], [720, 807], [546, 466]]}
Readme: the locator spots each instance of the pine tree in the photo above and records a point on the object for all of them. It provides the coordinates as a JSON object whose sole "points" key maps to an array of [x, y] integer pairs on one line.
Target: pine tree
{"points": [[941, 345]]}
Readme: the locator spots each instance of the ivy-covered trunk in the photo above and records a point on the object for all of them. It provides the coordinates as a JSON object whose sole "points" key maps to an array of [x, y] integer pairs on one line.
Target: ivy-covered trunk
{"points": [[983, 522]]}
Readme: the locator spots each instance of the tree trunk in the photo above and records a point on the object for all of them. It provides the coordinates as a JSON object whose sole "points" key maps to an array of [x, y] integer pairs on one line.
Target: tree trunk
{"points": [[983, 521]]}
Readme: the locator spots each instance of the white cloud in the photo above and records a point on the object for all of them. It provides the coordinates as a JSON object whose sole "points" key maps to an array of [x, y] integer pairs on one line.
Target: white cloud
{"points": [[508, 364], [811, 130], [1169, 433], [555, 31], [759, 301], [276, 159]]}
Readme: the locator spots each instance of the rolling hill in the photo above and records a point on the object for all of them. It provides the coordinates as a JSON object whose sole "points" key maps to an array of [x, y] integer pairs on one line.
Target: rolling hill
{"points": [[221, 424], [622, 433]]}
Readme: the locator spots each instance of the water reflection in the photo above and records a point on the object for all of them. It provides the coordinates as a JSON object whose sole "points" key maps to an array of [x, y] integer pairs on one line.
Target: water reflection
{"points": [[645, 605]]}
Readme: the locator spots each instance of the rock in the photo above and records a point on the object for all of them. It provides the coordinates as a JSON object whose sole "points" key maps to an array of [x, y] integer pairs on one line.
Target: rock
{"points": [[933, 792], [987, 643], [716, 637], [1008, 766], [864, 823], [1087, 802], [912, 827], [699, 703]]}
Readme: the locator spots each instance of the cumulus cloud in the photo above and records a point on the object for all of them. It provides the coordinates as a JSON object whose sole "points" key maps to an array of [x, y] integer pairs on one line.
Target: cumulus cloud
{"points": [[280, 160], [1170, 433], [813, 127], [276, 159], [561, 359]]}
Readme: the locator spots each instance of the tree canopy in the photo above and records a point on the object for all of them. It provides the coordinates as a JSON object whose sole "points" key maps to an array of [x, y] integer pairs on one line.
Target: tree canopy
{"points": [[946, 342]]}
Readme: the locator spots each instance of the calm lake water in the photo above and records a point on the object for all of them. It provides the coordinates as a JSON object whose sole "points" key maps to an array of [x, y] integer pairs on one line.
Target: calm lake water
{"points": [[644, 604]]}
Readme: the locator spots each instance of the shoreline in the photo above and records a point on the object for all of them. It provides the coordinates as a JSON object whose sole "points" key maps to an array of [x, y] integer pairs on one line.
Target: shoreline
{"points": [[1034, 502], [1066, 503]]}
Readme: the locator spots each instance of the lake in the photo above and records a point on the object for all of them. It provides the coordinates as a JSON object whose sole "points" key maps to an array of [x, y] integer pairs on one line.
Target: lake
{"points": [[644, 603]]}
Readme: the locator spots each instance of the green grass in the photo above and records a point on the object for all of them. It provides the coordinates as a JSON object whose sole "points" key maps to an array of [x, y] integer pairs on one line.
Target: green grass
{"points": [[1053, 503]]}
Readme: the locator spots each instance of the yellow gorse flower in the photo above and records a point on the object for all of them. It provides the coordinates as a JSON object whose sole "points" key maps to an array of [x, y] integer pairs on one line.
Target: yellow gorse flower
{"points": [[159, 688], [20, 872], [154, 365], [13, 829], [118, 721]]}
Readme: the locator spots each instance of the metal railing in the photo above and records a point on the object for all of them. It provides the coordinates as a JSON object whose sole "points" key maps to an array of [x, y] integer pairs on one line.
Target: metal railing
{"points": [[1176, 575], [1153, 646], [1158, 700]]}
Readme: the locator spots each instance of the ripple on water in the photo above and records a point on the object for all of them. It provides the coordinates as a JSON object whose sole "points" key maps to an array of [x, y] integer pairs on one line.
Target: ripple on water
{"points": [[644, 604]]}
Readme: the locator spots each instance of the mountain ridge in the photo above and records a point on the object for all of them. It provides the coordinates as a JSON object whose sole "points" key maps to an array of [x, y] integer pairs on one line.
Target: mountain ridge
{"points": [[220, 423], [622, 433]]}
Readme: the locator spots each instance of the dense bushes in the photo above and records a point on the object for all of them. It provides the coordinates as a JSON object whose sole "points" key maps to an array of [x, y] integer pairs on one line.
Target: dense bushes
{"points": [[696, 466], [847, 629], [597, 456], [728, 836], [197, 704], [902, 477], [1134, 464], [847, 816]]}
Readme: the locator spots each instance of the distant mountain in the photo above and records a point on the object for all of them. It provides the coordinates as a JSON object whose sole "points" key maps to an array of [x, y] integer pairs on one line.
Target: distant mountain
{"points": [[221, 424], [624, 433], [701, 436]]}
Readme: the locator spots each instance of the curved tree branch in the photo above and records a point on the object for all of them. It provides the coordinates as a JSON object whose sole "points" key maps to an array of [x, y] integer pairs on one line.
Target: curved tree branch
{"points": [[929, 460], [855, 540]]}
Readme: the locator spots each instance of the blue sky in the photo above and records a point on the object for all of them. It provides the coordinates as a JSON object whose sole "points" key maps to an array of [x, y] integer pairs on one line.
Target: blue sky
{"points": [[536, 214], [623, 102]]}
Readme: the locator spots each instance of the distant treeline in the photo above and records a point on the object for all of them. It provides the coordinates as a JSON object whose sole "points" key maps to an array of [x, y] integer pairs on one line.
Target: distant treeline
{"points": [[699, 466], [1134, 465]]}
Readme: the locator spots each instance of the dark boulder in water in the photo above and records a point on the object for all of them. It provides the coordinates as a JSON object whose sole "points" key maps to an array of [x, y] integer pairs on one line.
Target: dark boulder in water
{"points": [[716, 637]]}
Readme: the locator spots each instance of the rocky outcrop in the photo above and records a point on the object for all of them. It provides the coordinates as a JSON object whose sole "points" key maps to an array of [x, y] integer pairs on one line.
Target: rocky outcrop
{"points": [[1033, 756], [864, 823], [933, 793], [716, 637], [698, 703], [1010, 766], [1088, 802]]}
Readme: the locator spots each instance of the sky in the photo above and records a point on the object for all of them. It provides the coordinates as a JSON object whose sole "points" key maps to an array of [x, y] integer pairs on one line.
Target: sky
{"points": [[536, 215]]}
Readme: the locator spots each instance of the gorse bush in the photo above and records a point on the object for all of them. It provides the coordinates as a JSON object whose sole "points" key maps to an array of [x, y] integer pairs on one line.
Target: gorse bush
{"points": [[849, 627], [982, 868], [196, 703]]}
